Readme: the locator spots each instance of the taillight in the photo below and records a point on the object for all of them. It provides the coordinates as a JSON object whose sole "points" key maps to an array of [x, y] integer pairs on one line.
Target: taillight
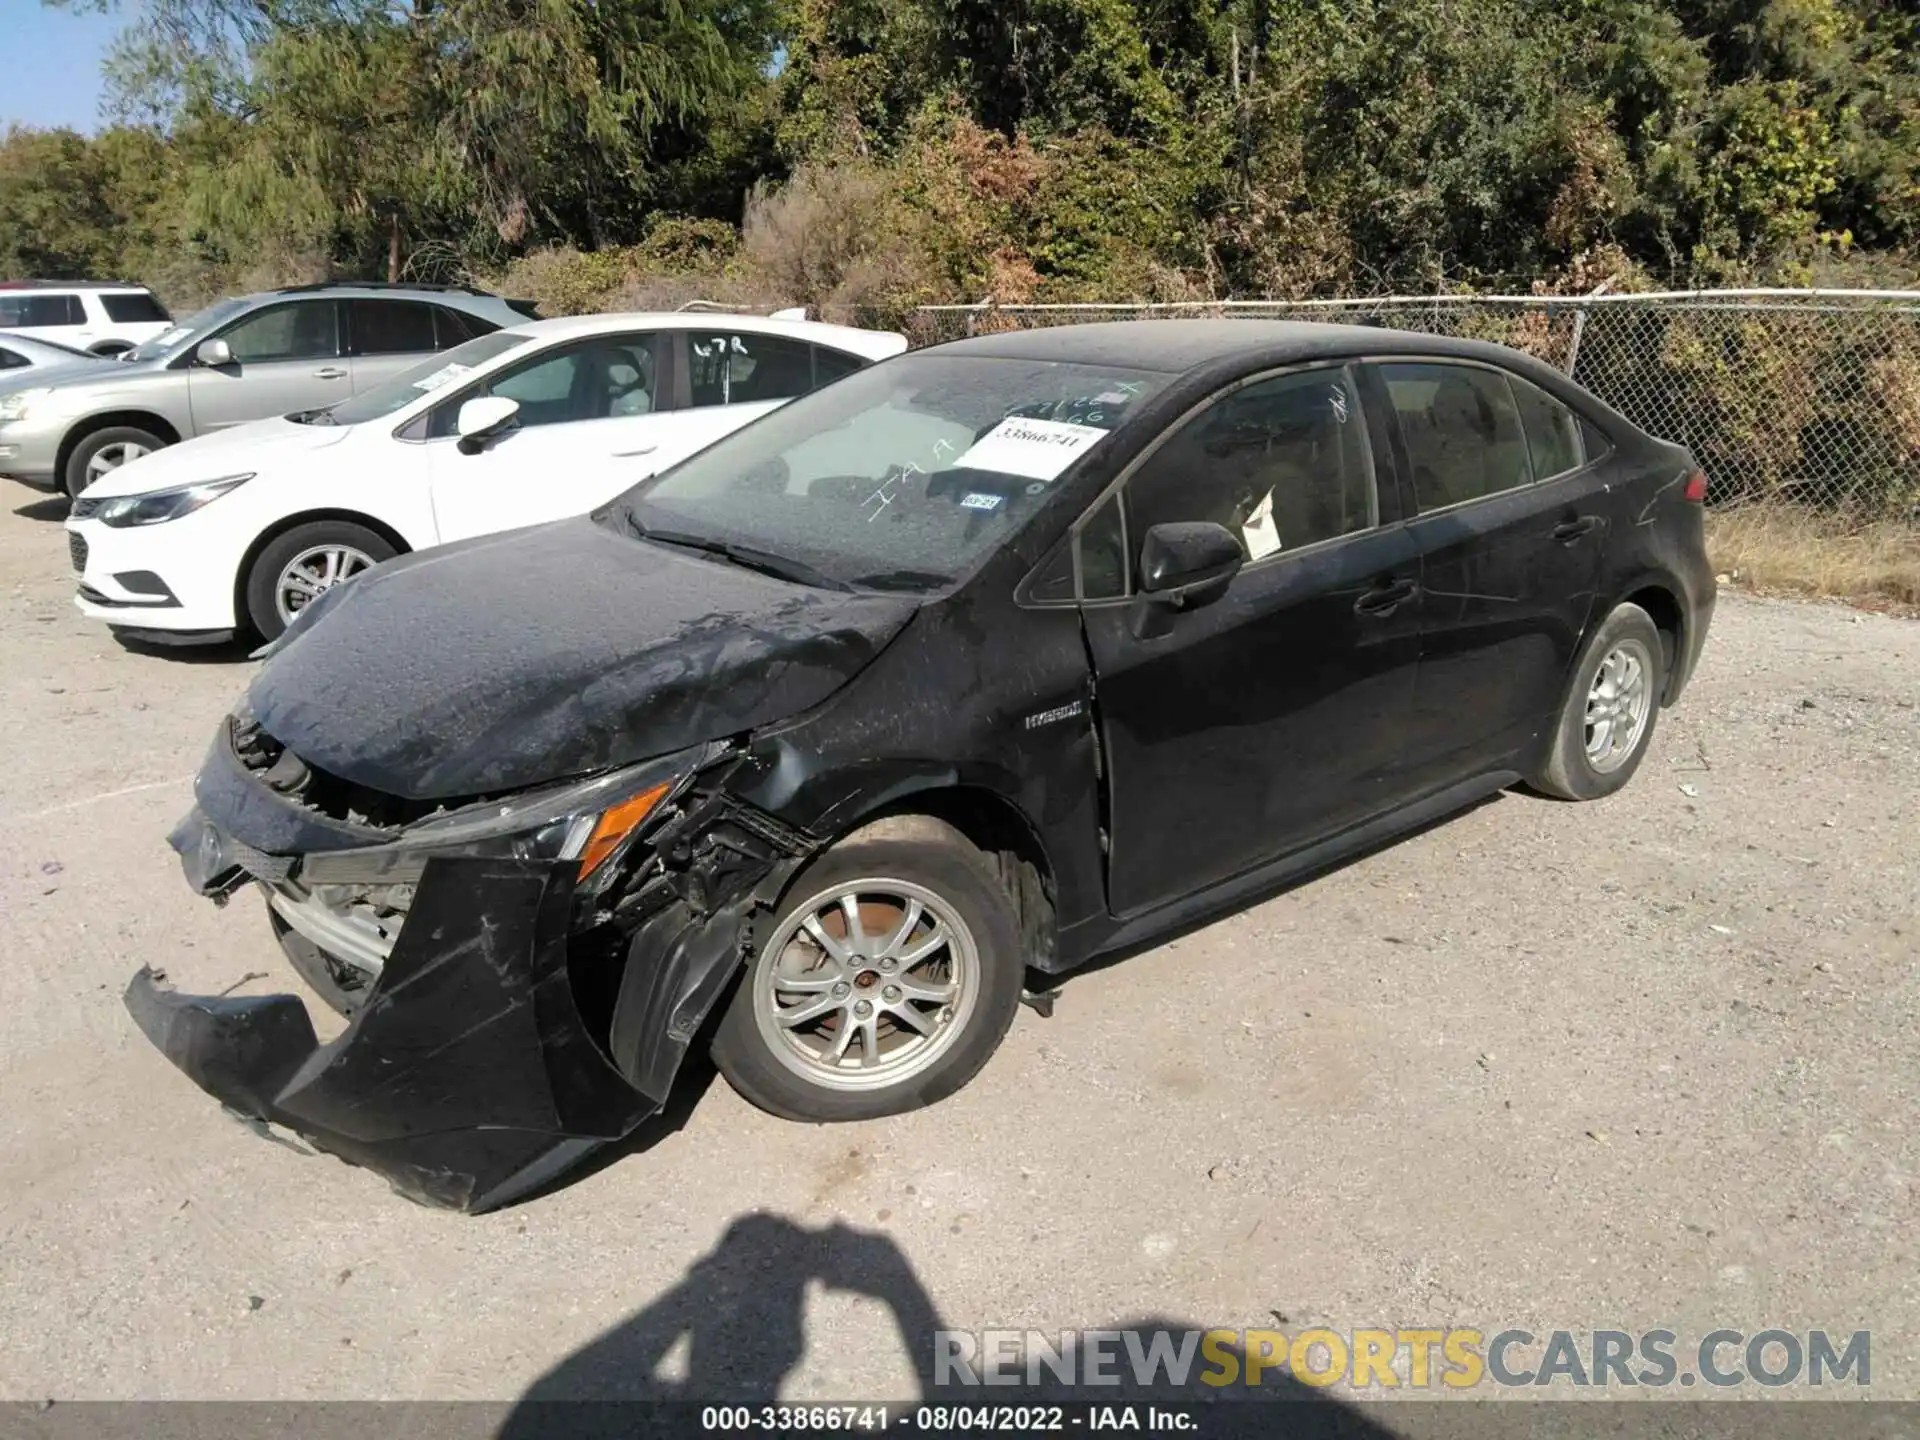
{"points": [[1695, 491]]}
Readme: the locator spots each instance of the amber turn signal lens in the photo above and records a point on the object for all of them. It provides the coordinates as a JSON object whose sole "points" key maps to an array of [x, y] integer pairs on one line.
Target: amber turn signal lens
{"points": [[616, 823]]}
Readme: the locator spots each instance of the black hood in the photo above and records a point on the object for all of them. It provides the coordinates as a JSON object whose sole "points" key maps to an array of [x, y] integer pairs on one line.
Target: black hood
{"points": [[518, 658]]}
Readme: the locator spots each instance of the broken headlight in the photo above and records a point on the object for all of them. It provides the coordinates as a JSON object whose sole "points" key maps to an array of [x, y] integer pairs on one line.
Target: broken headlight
{"points": [[587, 821]]}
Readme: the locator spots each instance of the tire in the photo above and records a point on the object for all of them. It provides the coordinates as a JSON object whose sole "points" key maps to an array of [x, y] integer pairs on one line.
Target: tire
{"points": [[1586, 763], [110, 349], [106, 449], [342, 986], [980, 969], [308, 546]]}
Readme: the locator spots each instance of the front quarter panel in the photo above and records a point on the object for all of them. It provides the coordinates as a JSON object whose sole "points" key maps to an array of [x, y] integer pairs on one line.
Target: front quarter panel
{"points": [[977, 693]]}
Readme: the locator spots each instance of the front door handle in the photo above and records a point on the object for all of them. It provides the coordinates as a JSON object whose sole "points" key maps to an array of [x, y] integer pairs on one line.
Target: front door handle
{"points": [[1568, 531], [329, 372], [1386, 597], [643, 450]]}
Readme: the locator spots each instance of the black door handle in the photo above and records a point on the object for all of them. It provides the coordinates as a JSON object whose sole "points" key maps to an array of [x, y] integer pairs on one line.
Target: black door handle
{"points": [[1568, 531], [1386, 597]]}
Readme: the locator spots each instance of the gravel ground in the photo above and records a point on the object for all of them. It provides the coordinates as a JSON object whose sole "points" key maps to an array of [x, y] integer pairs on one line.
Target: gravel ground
{"points": [[1642, 1063]]}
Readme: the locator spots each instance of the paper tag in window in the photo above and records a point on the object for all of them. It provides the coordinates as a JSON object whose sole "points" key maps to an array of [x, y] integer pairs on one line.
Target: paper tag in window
{"points": [[1037, 449], [444, 376], [1259, 534]]}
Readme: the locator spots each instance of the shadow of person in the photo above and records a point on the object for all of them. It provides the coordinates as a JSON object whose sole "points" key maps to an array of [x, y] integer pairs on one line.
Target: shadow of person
{"points": [[740, 1313], [740, 1310]]}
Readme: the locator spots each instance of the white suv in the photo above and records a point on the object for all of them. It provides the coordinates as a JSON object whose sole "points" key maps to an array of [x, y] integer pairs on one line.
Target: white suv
{"points": [[101, 318]]}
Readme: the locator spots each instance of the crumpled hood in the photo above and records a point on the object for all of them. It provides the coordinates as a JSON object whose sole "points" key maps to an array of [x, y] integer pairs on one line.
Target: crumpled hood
{"points": [[261, 446], [513, 659]]}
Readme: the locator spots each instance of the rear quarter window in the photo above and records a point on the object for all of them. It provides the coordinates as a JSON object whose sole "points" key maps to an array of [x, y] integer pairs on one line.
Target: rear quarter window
{"points": [[1553, 431], [830, 365], [134, 310]]}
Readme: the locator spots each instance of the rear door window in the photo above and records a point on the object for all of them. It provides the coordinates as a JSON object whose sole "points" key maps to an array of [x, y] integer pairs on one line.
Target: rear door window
{"points": [[141, 309], [1462, 431], [11, 359], [30, 311], [738, 368], [392, 327]]}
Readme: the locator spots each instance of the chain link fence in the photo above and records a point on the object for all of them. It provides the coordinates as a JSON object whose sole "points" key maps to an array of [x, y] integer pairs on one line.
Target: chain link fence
{"points": [[1809, 397]]}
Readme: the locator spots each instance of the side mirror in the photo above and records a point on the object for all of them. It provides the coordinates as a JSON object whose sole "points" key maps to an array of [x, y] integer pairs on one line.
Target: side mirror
{"points": [[482, 418], [213, 353], [1191, 560]]}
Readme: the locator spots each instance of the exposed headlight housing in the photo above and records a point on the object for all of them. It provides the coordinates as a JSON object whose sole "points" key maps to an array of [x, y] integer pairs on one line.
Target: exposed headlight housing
{"points": [[17, 405], [585, 821], [155, 507]]}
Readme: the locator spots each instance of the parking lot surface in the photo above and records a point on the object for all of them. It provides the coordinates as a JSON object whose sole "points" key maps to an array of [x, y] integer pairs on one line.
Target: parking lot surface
{"points": [[1646, 1062]]}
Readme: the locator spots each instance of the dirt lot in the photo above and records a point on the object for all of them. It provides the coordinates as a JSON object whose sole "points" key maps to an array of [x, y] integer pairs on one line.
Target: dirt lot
{"points": [[1647, 1062]]}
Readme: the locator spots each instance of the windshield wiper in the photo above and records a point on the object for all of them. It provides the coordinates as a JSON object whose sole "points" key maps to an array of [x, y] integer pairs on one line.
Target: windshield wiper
{"points": [[902, 580], [782, 567]]}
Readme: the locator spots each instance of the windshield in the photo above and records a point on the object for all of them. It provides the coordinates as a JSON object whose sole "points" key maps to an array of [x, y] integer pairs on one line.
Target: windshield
{"points": [[900, 476], [409, 385], [194, 325]]}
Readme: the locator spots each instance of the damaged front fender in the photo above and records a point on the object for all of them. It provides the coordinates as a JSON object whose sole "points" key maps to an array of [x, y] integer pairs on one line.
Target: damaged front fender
{"points": [[470, 1077]]}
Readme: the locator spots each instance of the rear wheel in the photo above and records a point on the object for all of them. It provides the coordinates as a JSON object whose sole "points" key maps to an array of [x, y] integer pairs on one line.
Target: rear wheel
{"points": [[1607, 720], [888, 977], [306, 562], [107, 450]]}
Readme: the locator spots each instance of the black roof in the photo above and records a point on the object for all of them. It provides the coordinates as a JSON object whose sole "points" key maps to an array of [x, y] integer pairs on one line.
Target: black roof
{"points": [[1177, 346]]}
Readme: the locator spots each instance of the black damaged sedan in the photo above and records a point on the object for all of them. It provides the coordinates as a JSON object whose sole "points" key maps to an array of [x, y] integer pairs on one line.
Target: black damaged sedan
{"points": [[983, 661]]}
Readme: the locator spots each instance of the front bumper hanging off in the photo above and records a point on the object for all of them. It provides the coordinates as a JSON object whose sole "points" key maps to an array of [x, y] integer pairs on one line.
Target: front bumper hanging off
{"points": [[468, 1078]]}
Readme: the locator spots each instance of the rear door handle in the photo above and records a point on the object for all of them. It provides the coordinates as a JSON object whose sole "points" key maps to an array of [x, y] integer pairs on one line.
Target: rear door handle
{"points": [[643, 450], [329, 372], [1387, 597], [1568, 531]]}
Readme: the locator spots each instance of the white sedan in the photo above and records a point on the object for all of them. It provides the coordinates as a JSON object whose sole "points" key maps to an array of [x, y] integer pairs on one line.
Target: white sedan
{"points": [[236, 531]]}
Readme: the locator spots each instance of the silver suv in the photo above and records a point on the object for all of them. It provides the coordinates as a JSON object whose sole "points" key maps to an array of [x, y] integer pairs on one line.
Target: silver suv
{"points": [[278, 353]]}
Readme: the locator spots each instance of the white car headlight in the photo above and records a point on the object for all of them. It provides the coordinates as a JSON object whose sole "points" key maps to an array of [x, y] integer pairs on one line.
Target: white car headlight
{"points": [[157, 506], [17, 405]]}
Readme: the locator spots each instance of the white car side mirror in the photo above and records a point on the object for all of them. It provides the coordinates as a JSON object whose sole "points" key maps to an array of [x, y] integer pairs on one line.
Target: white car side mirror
{"points": [[213, 353], [483, 417]]}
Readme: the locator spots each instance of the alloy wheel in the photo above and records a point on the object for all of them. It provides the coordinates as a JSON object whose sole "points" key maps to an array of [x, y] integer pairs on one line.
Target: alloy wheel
{"points": [[312, 573], [112, 457], [1619, 703], [866, 984]]}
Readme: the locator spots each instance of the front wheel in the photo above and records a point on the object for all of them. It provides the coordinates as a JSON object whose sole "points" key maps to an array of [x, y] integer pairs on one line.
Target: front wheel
{"points": [[889, 975], [1606, 722], [306, 562], [105, 450]]}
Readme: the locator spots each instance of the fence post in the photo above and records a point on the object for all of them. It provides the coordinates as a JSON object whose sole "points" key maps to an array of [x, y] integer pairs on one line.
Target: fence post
{"points": [[1580, 328]]}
